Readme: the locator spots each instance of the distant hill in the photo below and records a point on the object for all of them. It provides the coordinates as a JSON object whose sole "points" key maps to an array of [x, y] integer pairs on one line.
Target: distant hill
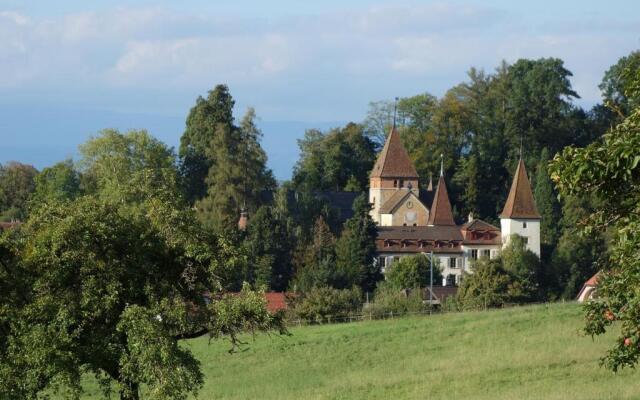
{"points": [[43, 136], [533, 352]]}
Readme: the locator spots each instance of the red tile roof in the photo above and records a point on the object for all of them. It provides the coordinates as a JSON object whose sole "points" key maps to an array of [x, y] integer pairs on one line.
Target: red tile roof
{"points": [[593, 281], [440, 213], [276, 301], [520, 202], [393, 161], [8, 225]]}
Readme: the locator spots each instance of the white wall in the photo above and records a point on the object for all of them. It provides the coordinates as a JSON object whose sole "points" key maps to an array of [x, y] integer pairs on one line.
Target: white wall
{"points": [[516, 227]]}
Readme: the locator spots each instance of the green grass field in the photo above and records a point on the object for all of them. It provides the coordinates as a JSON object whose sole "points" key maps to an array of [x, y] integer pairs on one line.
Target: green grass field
{"points": [[534, 352]]}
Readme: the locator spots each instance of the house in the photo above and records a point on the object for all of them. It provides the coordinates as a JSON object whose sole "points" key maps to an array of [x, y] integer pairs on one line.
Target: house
{"points": [[413, 221], [589, 289]]}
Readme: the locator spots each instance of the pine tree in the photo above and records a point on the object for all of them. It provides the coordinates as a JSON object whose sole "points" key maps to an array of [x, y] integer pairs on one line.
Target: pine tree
{"points": [[238, 175], [356, 249], [315, 264], [201, 127], [547, 202], [268, 242]]}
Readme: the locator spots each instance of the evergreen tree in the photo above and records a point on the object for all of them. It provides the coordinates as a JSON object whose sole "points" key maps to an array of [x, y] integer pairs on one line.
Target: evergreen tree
{"points": [[356, 249], [577, 256], [547, 203], [238, 176], [315, 264], [268, 243], [202, 124]]}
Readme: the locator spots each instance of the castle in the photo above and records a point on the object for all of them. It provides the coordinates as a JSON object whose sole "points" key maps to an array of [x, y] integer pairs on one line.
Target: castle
{"points": [[414, 221]]}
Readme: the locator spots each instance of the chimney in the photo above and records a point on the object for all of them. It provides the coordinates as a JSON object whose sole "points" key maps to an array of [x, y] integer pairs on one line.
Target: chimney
{"points": [[244, 219]]}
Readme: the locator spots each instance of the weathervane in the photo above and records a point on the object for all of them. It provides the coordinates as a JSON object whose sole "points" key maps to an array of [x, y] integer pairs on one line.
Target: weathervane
{"points": [[441, 164]]}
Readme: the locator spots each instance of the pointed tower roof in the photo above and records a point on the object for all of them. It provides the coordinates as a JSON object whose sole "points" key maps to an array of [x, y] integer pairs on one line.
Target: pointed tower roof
{"points": [[520, 203], [393, 161], [440, 213]]}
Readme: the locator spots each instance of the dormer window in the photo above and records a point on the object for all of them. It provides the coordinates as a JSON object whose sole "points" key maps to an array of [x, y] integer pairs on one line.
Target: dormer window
{"points": [[524, 225]]}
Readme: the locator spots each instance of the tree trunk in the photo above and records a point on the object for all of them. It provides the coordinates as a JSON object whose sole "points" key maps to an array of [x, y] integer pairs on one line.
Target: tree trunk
{"points": [[129, 390]]}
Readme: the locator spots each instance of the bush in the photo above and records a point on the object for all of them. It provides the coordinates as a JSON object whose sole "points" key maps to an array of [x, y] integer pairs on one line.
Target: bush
{"points": [[412, 272], [389, 299], [326, 303]]}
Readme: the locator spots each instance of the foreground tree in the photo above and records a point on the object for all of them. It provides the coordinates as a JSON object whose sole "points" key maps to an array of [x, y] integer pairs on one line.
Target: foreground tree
{"points": [[112, 293], [609, 170]]}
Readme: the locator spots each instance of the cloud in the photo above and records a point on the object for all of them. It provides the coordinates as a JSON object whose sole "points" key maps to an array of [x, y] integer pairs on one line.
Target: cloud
{"points": [[340, 56]]}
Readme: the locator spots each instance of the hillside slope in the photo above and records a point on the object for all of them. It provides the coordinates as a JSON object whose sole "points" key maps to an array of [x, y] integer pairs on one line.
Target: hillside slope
{"points": [[531, 352]]}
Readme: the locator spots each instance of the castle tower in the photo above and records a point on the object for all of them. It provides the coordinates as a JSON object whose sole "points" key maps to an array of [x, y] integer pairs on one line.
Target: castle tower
{"points": [[393, 172], [441, 213], [520, 215]]}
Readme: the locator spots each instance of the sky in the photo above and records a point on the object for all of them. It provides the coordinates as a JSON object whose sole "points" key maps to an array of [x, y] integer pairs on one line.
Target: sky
{"points": [[70, 68]]}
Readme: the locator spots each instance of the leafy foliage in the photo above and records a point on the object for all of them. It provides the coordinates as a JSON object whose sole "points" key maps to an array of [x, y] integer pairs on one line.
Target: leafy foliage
{"points": [[609, 170], [17, 183], [412, 272], [337, 160], [202, 124], [57, 183], [390, 300], [512, 277], [237, 176], [356, 249], [323, 303]]}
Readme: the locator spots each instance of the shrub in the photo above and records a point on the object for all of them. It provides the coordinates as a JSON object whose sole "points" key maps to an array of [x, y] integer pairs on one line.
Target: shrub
{"points": [[412, 272], [389, 299], [326, 303]]}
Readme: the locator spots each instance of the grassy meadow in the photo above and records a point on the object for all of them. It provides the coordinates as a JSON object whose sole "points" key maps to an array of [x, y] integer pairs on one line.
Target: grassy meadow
{"points": [[533, 352]]}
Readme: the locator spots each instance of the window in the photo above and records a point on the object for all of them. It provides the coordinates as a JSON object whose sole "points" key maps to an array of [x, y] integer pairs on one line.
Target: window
{"points": [[474, 254], [524, 225], [452, 263], [395, 183], [401, 183], [526, 240], [486, 253]]}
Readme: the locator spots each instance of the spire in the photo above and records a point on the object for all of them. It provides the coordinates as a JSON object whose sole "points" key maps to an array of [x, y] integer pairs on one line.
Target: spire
{"points": [[393, 161], [441, 164], [244, 219], [395, 112], [520, 202], [440, 213]]}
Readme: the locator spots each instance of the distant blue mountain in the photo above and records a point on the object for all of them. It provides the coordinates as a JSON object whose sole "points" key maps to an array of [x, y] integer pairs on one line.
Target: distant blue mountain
{"points": [[43, 136]]}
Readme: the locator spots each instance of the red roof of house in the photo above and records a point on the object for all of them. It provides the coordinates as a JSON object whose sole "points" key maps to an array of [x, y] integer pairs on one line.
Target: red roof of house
{"points": [[593, 281], [276, 301], [8, 225]]}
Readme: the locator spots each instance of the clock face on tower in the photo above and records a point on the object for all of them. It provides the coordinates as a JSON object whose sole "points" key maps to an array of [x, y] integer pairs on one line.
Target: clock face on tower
{"points": [[410, 217]]}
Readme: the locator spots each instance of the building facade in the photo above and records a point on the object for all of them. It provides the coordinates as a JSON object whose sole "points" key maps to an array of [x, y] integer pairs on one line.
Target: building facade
{"points": [[413, 221]]}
